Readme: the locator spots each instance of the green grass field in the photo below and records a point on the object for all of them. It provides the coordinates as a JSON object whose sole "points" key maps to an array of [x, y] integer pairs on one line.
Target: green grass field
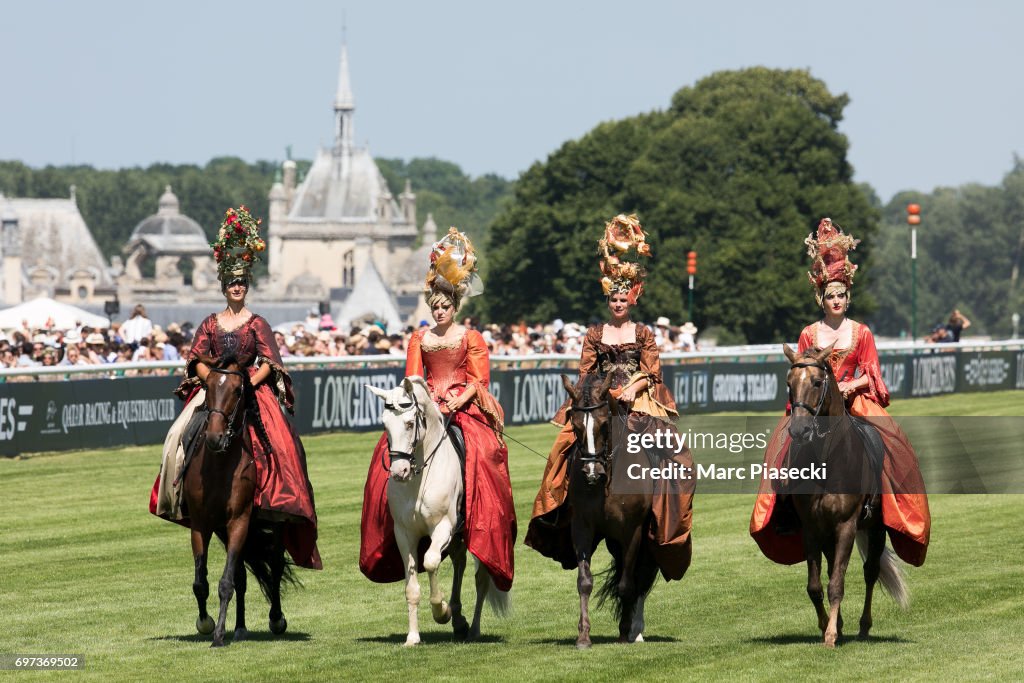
{"points": [[85, 569]]}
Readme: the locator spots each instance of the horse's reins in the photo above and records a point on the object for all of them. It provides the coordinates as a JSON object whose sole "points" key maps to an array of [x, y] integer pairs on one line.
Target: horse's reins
{"points": [[815, 411], [603, 455], [411, 457], [234, 414]]}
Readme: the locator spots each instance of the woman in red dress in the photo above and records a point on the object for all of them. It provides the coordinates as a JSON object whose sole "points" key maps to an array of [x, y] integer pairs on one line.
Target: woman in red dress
{"points": [[854, 362], [284, 492], [455, 363]]}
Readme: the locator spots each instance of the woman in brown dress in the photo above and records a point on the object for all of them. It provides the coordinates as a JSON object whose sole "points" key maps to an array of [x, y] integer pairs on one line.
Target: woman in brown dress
{"points": [[628, 352]]}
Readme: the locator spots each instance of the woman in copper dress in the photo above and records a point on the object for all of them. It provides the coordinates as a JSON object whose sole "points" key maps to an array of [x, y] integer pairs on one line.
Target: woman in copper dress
{"points": [[628, 352], [854, 362], [455, 363], [284, 492]]}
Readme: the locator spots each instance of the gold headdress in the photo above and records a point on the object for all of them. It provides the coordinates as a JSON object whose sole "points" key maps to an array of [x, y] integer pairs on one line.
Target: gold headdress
{"points": [[452, 271], [621, 234], [830, 263], [238, 245]]}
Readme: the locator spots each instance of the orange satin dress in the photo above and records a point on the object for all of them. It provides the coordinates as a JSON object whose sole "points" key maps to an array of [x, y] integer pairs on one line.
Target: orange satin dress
{"points": [[490, 515], [904, 501], [549, 530]]}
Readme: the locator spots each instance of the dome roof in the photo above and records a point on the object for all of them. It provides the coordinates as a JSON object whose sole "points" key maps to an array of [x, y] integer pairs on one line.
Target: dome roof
{"points": [[169, 231]]}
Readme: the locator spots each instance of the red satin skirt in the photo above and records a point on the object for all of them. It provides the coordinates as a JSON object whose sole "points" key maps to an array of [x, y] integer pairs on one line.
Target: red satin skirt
{"points": [[283, 490], [490, 516], [904, 501]]}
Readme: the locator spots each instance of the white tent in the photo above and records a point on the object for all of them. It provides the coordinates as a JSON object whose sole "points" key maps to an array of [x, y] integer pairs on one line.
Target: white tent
{"points": [[38, 311]]}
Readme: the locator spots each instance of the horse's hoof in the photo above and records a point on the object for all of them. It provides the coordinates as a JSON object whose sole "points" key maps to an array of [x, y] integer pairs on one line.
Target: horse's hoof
{"points": [[205, 626], [240, 634], [218, 643], [279, 626], [639, 638], [442, 615], [412, 641], [461, 629], [583, 644]]}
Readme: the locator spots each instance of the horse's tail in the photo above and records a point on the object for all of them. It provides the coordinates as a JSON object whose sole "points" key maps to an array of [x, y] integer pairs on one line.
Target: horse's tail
{"points": [[644, 575], [500, 601], [262, 549], [891, 574]]}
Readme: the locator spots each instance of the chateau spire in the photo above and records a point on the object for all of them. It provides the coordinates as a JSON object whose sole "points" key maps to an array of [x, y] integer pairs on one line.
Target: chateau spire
{"points": [[344, 106]]}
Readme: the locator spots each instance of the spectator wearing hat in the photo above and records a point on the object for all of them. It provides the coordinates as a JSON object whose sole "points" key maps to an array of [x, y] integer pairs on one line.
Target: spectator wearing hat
{"points": [[73, 356], [96, 348], [688, 337], [169, 350]]}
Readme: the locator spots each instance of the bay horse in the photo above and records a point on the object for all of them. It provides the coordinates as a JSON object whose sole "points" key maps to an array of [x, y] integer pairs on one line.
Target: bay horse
{"points": [[848, 505], [425, 496], [218, 491], [622, 520]]}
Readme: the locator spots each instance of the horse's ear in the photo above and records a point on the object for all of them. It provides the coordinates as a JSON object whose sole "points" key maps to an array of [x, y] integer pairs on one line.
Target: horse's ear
{"points": [[379, 393], [790, 353], [824, 353], [569, 389]]}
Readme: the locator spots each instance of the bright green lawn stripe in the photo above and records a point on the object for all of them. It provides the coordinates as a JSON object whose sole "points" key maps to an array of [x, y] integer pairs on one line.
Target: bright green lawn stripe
{"points": [[85, 568]]}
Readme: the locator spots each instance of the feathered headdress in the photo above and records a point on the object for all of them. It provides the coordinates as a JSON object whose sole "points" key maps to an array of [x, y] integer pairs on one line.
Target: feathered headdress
{"points": [[452, 271], [622, 234], [238, 245], [829, 261]]}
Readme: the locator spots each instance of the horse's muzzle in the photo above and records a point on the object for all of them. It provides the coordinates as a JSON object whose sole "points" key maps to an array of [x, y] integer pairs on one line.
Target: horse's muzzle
{"points": [[218, 443], [401, 467]]}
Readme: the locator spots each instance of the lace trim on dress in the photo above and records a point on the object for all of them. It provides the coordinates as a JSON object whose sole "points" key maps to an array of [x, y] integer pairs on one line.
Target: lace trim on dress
{"points": [[216, 320], [440, 343]]}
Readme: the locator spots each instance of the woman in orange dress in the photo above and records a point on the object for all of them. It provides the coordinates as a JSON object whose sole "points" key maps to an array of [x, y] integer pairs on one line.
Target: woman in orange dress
{"points": [[629, 353], [854, 361], [455, 363]]}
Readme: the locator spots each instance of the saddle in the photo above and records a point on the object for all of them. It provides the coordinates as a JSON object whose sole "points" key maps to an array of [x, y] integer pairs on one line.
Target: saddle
{"points": [[874, 448], [191, 438], [459, 441]]}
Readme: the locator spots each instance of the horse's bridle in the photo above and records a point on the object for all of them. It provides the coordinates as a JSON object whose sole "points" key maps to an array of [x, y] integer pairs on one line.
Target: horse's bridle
{"points": [[816, 411], [421, 422], [603, 456], [230, 419]]}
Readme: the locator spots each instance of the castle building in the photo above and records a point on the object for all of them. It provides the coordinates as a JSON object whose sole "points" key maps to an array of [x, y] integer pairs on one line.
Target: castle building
{"points": [[341, 222], [46, 249]]}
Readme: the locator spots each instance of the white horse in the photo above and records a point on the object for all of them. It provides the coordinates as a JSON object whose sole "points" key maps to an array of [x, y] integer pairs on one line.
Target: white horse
{"points": [[425, 493]]}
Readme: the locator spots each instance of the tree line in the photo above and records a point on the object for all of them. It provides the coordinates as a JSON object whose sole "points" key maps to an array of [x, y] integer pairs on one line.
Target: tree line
{"points": [[113, 202]]}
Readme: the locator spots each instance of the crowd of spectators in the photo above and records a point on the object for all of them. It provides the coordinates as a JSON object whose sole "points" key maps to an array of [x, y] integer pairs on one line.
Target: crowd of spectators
{"points": [[138, 339]]}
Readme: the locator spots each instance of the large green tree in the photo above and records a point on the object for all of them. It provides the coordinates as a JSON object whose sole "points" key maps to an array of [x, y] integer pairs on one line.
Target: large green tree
{"points": [[740, 167]]}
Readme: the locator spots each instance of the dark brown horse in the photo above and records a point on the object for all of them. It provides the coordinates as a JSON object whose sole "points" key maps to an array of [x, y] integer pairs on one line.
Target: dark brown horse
{"points": [[847, 505], [219, 488], [598, 513]]}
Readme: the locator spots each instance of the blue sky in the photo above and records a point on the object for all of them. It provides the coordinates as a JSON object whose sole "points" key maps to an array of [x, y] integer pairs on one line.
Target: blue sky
{"points": [[934, 86]]}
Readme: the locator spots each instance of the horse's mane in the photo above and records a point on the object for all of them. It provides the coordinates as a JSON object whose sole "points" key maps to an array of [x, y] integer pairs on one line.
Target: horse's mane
{"points": [[588, 385]]}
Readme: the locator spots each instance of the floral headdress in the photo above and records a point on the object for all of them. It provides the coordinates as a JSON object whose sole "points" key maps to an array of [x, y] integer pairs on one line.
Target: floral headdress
{"points": [[621, 234], [238, 245], [452, 271], [830, 262]]}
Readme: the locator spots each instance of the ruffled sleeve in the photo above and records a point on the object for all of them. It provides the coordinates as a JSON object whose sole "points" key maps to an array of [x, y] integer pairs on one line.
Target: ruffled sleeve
{"points": [[267, 352], [201, 345], [478, 374], [650, 359], [414, 356], [588, 366], [650, 367], [867, 363]]}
